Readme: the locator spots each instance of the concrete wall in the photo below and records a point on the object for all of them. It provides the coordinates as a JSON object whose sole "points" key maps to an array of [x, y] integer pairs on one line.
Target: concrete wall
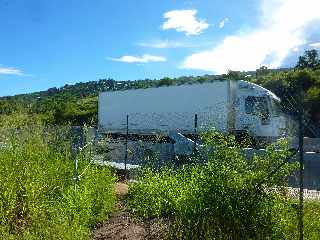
{"points": [[311, 172], [310, 144], [311, 169]]}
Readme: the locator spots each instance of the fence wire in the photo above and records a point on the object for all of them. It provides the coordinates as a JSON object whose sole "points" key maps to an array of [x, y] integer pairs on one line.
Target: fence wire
{"points": [[136, 150]]}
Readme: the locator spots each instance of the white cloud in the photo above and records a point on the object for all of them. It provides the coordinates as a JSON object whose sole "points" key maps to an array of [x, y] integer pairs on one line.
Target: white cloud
{"points": [[139, 59], [165, 44], [10, 71], [281, 31], [223, 22], [296, 49], [315, 45], [184, 21]]}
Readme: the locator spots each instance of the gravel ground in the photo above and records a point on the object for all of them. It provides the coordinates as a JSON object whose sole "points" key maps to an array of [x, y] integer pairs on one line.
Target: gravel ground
{"points": [[308, 194]]}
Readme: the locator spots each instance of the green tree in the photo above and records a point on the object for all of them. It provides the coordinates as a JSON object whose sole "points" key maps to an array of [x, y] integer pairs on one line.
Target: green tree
{"points": [[233, 75], [165, 82], [310, 59], [263, 70]]}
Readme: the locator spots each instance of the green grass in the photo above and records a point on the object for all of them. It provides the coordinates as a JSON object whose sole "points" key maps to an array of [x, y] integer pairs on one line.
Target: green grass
{"points": [[38, 199], [224, 200], [312, 220], [203, 209]]}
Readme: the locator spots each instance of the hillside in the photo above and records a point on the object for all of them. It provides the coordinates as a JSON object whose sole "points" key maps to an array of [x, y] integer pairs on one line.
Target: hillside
{"points": [[77, 104]]}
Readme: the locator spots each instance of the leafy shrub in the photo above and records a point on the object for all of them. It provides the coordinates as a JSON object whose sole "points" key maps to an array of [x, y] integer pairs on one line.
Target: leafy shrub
{"points": [[312, 220], [229, 198], [38, 199]]}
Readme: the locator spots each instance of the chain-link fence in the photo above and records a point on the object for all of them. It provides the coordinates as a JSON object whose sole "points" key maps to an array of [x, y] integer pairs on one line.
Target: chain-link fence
{"points": [[132, 150]]}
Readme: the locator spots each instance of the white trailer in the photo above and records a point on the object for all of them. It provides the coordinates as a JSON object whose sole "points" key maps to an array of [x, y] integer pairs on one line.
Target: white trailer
{"points": [[228, 106]]}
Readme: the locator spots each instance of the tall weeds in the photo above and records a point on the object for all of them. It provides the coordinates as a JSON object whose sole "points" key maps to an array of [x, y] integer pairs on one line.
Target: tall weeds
{"points": [[229, 198], [38, 199]]}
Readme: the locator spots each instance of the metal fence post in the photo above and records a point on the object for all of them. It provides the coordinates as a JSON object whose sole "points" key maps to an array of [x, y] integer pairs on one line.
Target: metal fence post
{"points": [[301, 170], [195, 132], [75, 172], [77, 143], [126, 153]]}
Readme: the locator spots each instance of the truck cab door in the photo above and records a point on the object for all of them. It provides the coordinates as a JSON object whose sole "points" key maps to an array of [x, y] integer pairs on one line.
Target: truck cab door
{"points": [[254, 116]]}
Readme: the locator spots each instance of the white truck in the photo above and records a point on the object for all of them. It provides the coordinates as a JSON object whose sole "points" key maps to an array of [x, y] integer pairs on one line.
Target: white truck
{"points": [[228, 106]]}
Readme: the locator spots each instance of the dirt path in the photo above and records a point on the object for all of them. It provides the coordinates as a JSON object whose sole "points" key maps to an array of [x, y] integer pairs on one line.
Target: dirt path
{"points": [[122, 225]]}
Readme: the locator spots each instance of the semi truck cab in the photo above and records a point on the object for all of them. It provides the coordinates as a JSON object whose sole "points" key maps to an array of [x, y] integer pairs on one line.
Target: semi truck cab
{"points": [[258, 113]]}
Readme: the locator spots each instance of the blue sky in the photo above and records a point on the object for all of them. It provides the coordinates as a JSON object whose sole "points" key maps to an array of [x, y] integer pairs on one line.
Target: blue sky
{"points": [[47, 43]]}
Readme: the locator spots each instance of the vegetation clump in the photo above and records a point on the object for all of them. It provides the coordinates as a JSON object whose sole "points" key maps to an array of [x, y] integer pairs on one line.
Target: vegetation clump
{"points": [[229, 198], [38, 198]]}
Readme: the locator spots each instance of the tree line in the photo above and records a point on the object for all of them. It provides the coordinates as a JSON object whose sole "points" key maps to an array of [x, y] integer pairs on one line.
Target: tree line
{"points": [[78, 104]]}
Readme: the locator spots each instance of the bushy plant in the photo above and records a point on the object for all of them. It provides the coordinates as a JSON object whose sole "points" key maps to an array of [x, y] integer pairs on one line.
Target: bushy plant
{"points": [[312, 220], [229, 198], [38, 198]]}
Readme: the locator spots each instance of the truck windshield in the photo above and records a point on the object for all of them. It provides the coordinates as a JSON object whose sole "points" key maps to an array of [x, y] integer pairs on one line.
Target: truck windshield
{"points": [[276, 106], [257, 106]]}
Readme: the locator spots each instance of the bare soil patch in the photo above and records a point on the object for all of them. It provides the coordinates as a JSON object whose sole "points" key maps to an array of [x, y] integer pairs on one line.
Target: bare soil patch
{"points": [[122, 225]]}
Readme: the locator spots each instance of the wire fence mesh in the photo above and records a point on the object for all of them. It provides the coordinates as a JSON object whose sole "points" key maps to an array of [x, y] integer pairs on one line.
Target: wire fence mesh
{"points": [[133, 150]]}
